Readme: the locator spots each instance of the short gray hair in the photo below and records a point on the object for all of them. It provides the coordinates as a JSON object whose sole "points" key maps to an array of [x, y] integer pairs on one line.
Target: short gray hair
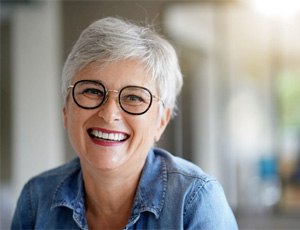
{"points": [[113, 39]]}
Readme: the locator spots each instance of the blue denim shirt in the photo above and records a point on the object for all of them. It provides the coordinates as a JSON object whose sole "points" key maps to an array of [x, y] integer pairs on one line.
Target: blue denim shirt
{"points": [[172, 194]]}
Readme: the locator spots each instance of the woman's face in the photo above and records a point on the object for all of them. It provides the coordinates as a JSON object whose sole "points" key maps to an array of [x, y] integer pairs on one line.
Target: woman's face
{"points": [[137, 132]]}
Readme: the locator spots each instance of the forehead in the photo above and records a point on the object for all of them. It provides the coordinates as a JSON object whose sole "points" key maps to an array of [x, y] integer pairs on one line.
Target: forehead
{"points": [[116, 74]]}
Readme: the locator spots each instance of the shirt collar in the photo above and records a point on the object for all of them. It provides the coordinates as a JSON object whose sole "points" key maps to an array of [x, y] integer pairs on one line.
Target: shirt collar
{"points": [[151, 192], [70, 193], [150, 195]]}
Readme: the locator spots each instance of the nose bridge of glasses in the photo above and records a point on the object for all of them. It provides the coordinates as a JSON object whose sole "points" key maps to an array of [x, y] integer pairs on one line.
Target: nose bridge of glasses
{"points": [[110, 91], [113, 91]]}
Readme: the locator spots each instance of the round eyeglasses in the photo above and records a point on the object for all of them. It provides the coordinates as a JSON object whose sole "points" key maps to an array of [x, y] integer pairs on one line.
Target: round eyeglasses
{"points": [[90, 94]]}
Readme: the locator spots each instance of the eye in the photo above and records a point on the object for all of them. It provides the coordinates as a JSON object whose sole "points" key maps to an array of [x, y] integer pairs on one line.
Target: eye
{"points": [[132, 99], [93, 92]]}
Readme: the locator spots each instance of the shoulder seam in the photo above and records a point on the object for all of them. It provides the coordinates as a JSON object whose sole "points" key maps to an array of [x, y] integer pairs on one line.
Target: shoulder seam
{"points": [[194, 193]]}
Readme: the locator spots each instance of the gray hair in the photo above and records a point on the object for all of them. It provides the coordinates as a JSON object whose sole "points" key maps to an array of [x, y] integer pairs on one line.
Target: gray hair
{"points": [[112, 39]]}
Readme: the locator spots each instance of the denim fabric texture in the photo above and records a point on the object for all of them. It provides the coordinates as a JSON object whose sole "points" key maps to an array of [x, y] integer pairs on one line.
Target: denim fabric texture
{"points": [[172, 194]]}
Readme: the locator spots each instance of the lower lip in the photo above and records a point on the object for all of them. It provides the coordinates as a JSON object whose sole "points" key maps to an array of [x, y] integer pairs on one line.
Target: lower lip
{"points": [[106, 143]]}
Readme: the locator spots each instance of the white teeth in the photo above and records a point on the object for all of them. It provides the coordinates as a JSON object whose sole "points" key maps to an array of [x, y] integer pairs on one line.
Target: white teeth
{"points": [[109, 136]]}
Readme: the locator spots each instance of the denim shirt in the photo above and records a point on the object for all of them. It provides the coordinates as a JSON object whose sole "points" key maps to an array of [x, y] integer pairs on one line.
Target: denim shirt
{"points": [[172, 194]]}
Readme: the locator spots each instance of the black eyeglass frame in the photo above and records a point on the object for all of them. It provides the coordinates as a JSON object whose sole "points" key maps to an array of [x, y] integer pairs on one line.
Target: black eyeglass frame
{"points": [[105, 98]]}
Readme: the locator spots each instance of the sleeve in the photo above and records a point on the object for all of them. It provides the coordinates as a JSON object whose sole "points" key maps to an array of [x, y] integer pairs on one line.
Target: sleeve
{"points": [[23, 216], [208, 209]]}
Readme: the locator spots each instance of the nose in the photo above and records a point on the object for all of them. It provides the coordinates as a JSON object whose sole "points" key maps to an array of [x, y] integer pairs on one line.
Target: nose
{"points": [[110, 109]]}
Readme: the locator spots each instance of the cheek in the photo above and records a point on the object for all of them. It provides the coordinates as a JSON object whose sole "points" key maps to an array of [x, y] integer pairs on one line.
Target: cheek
{"points": [[157, 132], [74, 123], [66, 112], [148, 129], [162, 120], [70, 126], [73, 120], [65, 117]]}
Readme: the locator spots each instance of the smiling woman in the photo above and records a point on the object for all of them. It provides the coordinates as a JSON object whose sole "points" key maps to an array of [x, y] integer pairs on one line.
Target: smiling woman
{"points": [[120, 84]]}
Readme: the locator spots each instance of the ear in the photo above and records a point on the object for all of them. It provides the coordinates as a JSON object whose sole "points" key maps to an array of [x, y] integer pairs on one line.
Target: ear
{"points": [[65, 117], [163, 122]]}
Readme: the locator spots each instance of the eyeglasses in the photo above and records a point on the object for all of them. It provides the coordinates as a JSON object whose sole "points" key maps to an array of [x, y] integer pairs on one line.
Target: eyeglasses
{"points": [[89, 94]]}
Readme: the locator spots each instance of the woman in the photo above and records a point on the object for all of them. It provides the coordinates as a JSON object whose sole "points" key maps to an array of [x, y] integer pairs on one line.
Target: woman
{"points": [[120, 84]]}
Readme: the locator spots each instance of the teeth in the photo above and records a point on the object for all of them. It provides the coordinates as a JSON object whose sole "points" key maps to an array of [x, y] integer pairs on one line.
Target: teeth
{"points": [[109, 136]]}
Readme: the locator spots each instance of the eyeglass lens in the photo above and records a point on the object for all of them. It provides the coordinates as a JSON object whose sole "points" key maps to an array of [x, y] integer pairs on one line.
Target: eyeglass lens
{"points": [[134, 100]]}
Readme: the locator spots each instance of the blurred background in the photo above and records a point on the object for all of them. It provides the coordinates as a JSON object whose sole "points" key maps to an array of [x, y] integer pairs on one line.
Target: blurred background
{"points": [[239, 115]]}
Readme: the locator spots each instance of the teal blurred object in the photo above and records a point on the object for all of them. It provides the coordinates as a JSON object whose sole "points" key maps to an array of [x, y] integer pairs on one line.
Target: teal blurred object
{"points": [[268, 168]]}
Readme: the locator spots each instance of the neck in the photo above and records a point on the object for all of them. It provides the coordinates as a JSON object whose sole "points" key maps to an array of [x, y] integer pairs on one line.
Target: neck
{"points": [[109, 196], [109, 191]]}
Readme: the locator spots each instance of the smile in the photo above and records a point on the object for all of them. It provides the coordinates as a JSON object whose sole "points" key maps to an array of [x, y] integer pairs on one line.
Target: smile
{"points": [[107, 136]]}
